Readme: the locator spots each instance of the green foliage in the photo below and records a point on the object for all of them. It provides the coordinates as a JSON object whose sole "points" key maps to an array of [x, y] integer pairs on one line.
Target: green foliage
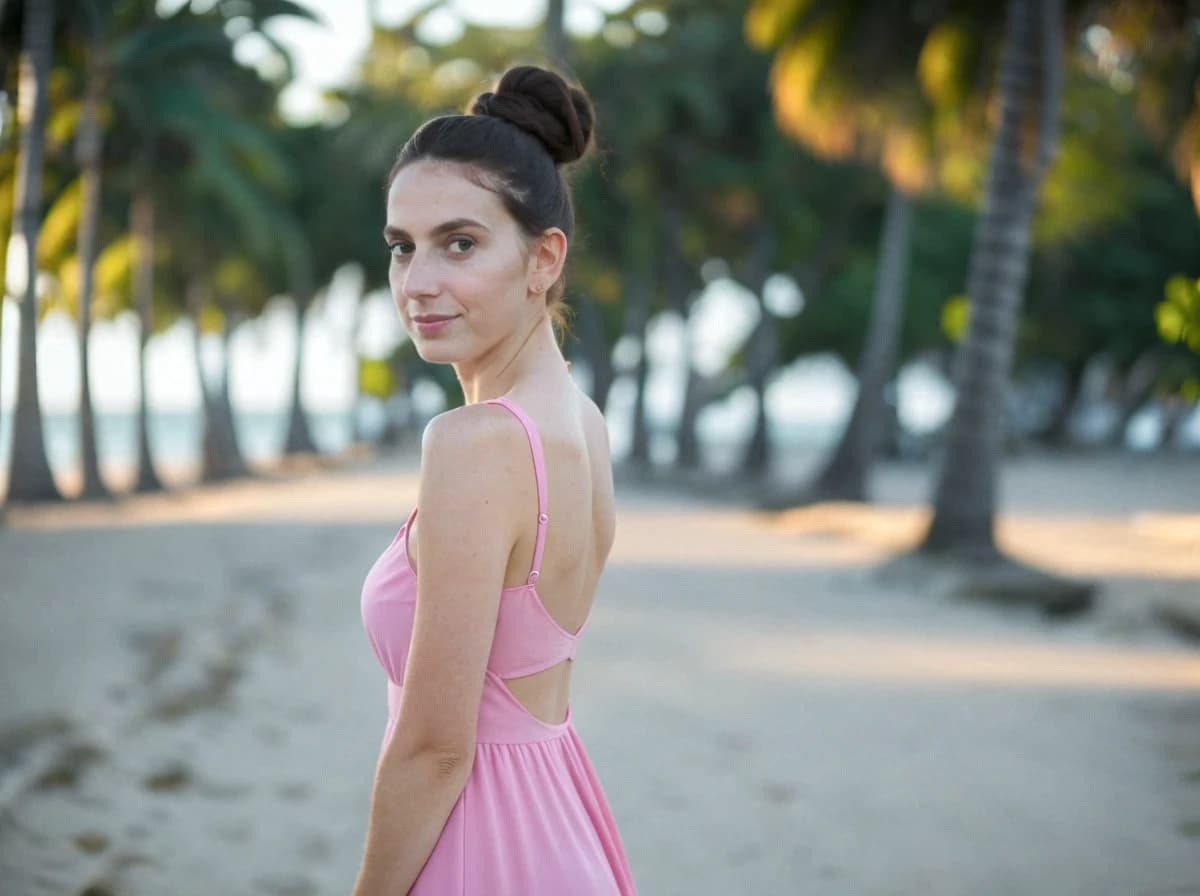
{"points": [[956, 317], [1097, 292], [1088, 185], [56, 238], [1178, 316]]}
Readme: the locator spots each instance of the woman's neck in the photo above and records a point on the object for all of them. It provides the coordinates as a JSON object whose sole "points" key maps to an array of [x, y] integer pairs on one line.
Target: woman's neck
{"points": [[537, 357]]}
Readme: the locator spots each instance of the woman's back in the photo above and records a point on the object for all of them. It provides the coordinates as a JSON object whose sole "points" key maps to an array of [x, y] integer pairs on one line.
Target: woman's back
{"points": [[532, 818], [578, 531]]}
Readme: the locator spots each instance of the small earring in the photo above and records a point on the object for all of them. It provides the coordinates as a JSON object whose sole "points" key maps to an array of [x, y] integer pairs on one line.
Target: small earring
{"points": [[537, 287]]}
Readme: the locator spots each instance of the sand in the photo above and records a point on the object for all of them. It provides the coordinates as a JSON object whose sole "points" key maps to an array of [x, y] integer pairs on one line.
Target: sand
{"points": [[190, 705]]}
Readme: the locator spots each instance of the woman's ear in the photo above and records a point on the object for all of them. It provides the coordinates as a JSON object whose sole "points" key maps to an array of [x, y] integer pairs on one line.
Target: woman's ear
{"points": [[546, 260]]}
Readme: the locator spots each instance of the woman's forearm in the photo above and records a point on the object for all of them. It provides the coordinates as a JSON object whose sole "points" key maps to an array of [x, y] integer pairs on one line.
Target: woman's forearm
{"points": [[411, 800]]}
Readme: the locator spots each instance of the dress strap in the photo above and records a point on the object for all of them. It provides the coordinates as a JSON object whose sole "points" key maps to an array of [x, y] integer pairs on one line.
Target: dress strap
{"points": [[539, 471]]}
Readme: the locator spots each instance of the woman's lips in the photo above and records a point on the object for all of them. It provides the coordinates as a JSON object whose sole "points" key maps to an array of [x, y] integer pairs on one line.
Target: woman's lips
{"points": [[433, 325]]}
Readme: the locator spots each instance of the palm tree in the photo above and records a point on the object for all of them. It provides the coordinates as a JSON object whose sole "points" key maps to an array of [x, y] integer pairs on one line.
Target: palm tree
{"points": [[30, 477], [142, 215], [180, 94], [89, 150], [555, 34], [1029, 87], [844, 473], [125, 42], [845, 93]]}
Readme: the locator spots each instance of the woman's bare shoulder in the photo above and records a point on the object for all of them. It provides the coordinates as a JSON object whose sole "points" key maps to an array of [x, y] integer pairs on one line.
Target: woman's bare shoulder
{"points": [[472, 449], [595, 427]]}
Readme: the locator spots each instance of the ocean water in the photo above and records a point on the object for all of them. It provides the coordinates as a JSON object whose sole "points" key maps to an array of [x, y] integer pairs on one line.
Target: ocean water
{"points": [[174, 436]]}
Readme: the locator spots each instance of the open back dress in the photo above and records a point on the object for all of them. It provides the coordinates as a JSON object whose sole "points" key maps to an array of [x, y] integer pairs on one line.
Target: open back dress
{"points": [[532, 819]]}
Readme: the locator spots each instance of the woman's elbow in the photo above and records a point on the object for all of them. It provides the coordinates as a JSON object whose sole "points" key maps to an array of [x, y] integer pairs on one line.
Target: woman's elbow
{"points": [[452, 763], [444, 761]]}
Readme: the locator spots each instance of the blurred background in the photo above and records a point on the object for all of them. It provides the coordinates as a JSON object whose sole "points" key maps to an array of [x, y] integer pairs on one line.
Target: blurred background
{"points": [[771, 181], [884, 302]]}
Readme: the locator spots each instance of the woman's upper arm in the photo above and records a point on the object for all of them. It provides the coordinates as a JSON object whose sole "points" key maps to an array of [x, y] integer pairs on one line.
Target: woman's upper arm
{"points": [[467, 530]]}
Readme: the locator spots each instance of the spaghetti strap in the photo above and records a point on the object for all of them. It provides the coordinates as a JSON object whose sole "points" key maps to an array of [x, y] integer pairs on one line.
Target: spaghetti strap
{"points": [[539, 471]]}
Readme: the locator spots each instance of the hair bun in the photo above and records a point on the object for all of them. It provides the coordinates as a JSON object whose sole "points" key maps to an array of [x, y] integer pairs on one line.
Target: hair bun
{"points": [[541, 103]]}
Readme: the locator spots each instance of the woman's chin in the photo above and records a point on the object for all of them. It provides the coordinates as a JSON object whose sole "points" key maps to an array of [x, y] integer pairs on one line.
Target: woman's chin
{"points": [[434, 352]]}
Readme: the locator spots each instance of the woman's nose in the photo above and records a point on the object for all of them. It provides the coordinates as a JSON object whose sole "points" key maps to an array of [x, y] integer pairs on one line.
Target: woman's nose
{"points": [[420, 277]]}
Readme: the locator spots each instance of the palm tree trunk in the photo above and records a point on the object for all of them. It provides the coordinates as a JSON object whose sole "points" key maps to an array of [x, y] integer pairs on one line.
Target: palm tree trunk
{"points": [[1136, 389], [355, 418], [676, 284], [30, 477], [639, 311], [641, 245], [1029, 83], [1058, 431], [763, 354], [1175, 409], [844, 476], [89, 154], [596, 349], [220, 456], [142, 215], [299, 438], [555, 34]]}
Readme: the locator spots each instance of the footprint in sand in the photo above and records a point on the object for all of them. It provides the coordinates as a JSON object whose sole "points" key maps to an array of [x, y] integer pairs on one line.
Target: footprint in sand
{"points": [[91, 842], [170, 779]]}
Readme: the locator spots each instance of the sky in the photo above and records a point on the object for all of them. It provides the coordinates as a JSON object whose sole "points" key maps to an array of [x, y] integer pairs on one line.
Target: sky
{"points": [[326, 54]]}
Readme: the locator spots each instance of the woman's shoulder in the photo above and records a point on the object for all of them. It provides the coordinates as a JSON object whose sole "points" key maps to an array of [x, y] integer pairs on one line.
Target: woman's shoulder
{"points": [[469, 421], [595, 426], [482, 434]]}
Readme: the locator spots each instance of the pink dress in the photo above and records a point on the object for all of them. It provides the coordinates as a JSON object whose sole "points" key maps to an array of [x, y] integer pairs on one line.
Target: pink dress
{"points": [[533, 819]]}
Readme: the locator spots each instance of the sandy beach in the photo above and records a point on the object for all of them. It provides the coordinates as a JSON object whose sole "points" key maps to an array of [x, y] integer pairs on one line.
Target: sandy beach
{"points": [[190, 705]]}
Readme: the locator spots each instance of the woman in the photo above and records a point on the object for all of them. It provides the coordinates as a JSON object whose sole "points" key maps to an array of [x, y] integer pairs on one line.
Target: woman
{"points": [[475, 610]]}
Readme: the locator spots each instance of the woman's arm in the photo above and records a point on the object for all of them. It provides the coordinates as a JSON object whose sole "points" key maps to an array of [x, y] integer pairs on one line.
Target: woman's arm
{"points": [[468, 528]]}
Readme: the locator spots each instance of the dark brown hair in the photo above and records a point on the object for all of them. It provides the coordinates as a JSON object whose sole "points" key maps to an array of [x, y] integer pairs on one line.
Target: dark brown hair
{"points": [[516, 138]]}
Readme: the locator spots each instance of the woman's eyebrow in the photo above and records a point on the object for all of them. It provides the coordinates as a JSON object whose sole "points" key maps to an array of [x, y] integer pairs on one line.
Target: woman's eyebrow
{"points": [[391, 233]]}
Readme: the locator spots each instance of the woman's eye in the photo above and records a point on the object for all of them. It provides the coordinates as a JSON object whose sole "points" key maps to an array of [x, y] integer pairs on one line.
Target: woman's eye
{"points": [[399, 250], [461, 245]]}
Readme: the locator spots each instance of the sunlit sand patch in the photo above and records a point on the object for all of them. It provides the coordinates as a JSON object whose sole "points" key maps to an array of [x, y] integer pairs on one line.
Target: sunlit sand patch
{"points": [[1163, 546], [349, 497], [1160, 545], [707, 537], [905, 659]]}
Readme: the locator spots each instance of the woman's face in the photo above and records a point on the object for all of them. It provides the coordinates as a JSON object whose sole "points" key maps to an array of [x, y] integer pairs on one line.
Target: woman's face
{"points": [[460, 273]]}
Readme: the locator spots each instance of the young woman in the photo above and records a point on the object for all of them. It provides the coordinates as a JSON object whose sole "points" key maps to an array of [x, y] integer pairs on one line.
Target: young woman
{"points": [[476, 608]]}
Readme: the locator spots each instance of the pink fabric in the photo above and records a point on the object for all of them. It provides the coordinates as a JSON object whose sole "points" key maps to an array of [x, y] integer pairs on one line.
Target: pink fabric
{"points": [[533, 819]]}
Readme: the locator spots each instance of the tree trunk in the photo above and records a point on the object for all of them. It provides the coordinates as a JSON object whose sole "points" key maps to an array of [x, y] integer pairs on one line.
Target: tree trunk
{"points": [[30, 477], [142, 215], [1058, 431], [220, 456], [1136, 390], [677, 285], [555, 34], [299, 438], [1175, 409], [89, 152], [356, 431], [762, 356], [1029, 83], [596, 350], [845, 474], [226, 448], [639, 311]]}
